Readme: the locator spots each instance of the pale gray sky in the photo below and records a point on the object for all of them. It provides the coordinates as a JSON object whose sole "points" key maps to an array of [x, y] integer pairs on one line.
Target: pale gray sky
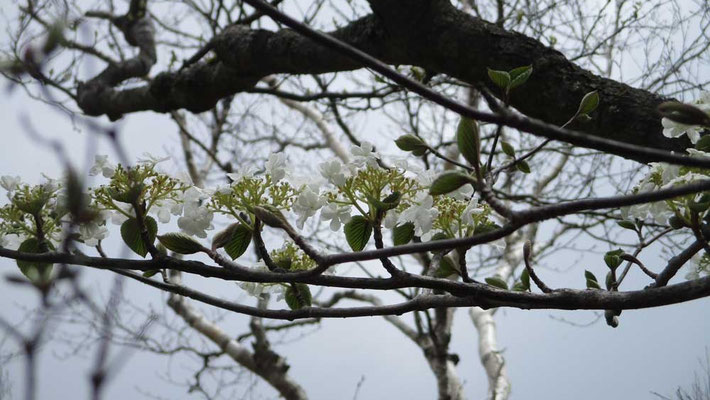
{"points": [[652, 350]]}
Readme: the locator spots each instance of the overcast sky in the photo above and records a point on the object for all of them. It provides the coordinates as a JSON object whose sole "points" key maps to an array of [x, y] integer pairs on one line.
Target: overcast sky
{"points": [[651, 350]]}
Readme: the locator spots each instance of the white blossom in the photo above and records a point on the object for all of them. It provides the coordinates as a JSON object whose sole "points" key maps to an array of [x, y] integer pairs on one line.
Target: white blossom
{"points": [[364, 155], [306, 205], [337, 215], [421, 214], [257, 289], [244, 172], [102, 166], [92, 232], [11, 241], [166, 207], [117, 217], [390, 220], [149, 159], [473, 208], [10, 183], [674, 129], [333, 171], [276, 166], [196, 218]]}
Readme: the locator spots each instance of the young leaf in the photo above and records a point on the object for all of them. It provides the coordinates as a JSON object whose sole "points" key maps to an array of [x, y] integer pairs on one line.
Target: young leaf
{"points": [[468, 140], [589, 276], [238, 243], [357, 232], [411, 143], [519, 287], [446, 268], [403, 234], [613, 258], [703, 144], [592, 284], [131, 234], [36, 272], [497, 282], [589, 103], [525, 278], [298, 296], [507, 149], [499, 78], [519, 75], [180, 243], [523, 166], [627, 225], [448, 182]]}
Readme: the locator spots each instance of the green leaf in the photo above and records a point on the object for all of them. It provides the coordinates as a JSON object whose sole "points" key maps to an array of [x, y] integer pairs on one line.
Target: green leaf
{"points": [[589, 103], [519, 75], [499, 78], [129, 196], [298, 296], [223, 237], [440, 236], [627, 225], [613, 258], [239, 241], [468, 140], [448, 182], [698, 207], [446, 268], [486, 227], [150, 272], [403, 234], [357, 232], [525, 278], [411, 143], [507, 149], [271, 216], [519, 287], [592, 284], [180, 243], [589, 276], [36, 272], [703, 144], [497, 282], [609, 281], [131, 234], [388, 203], [675, 222], [523, 166]]}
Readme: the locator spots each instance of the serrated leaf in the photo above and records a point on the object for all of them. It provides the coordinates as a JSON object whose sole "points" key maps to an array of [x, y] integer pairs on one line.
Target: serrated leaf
{"points": [[448, 182], [507, 149], [180, 243], [403, 234], [525, 278], [239, 241], [131, 234], [523, 166], [298, 296], [589, 103], [519, 76], [468, 140], [36, 272], [497, 282], [357, 232], [499, 78], [446, 268], [627, 225]]}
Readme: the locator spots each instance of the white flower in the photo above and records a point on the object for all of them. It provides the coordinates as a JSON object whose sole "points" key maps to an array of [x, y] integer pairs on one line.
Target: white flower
{"points": [[473, 208], [276, 166], [390, 220], [244, 172], [11, 241], [363, 155], [336, 215], [10, 183], [462, 193], [306, 205], [149, 159], [332, 170], [117, 217], [164, 208], [50, 184], [196, 218], [257, 289], [421, 215], [674, 129], [426, 177], [92, 232], [102, 166]]}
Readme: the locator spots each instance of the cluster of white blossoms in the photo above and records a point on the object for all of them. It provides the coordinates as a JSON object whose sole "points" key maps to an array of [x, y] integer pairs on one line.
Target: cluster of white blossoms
{"points": [[661, 175]]}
